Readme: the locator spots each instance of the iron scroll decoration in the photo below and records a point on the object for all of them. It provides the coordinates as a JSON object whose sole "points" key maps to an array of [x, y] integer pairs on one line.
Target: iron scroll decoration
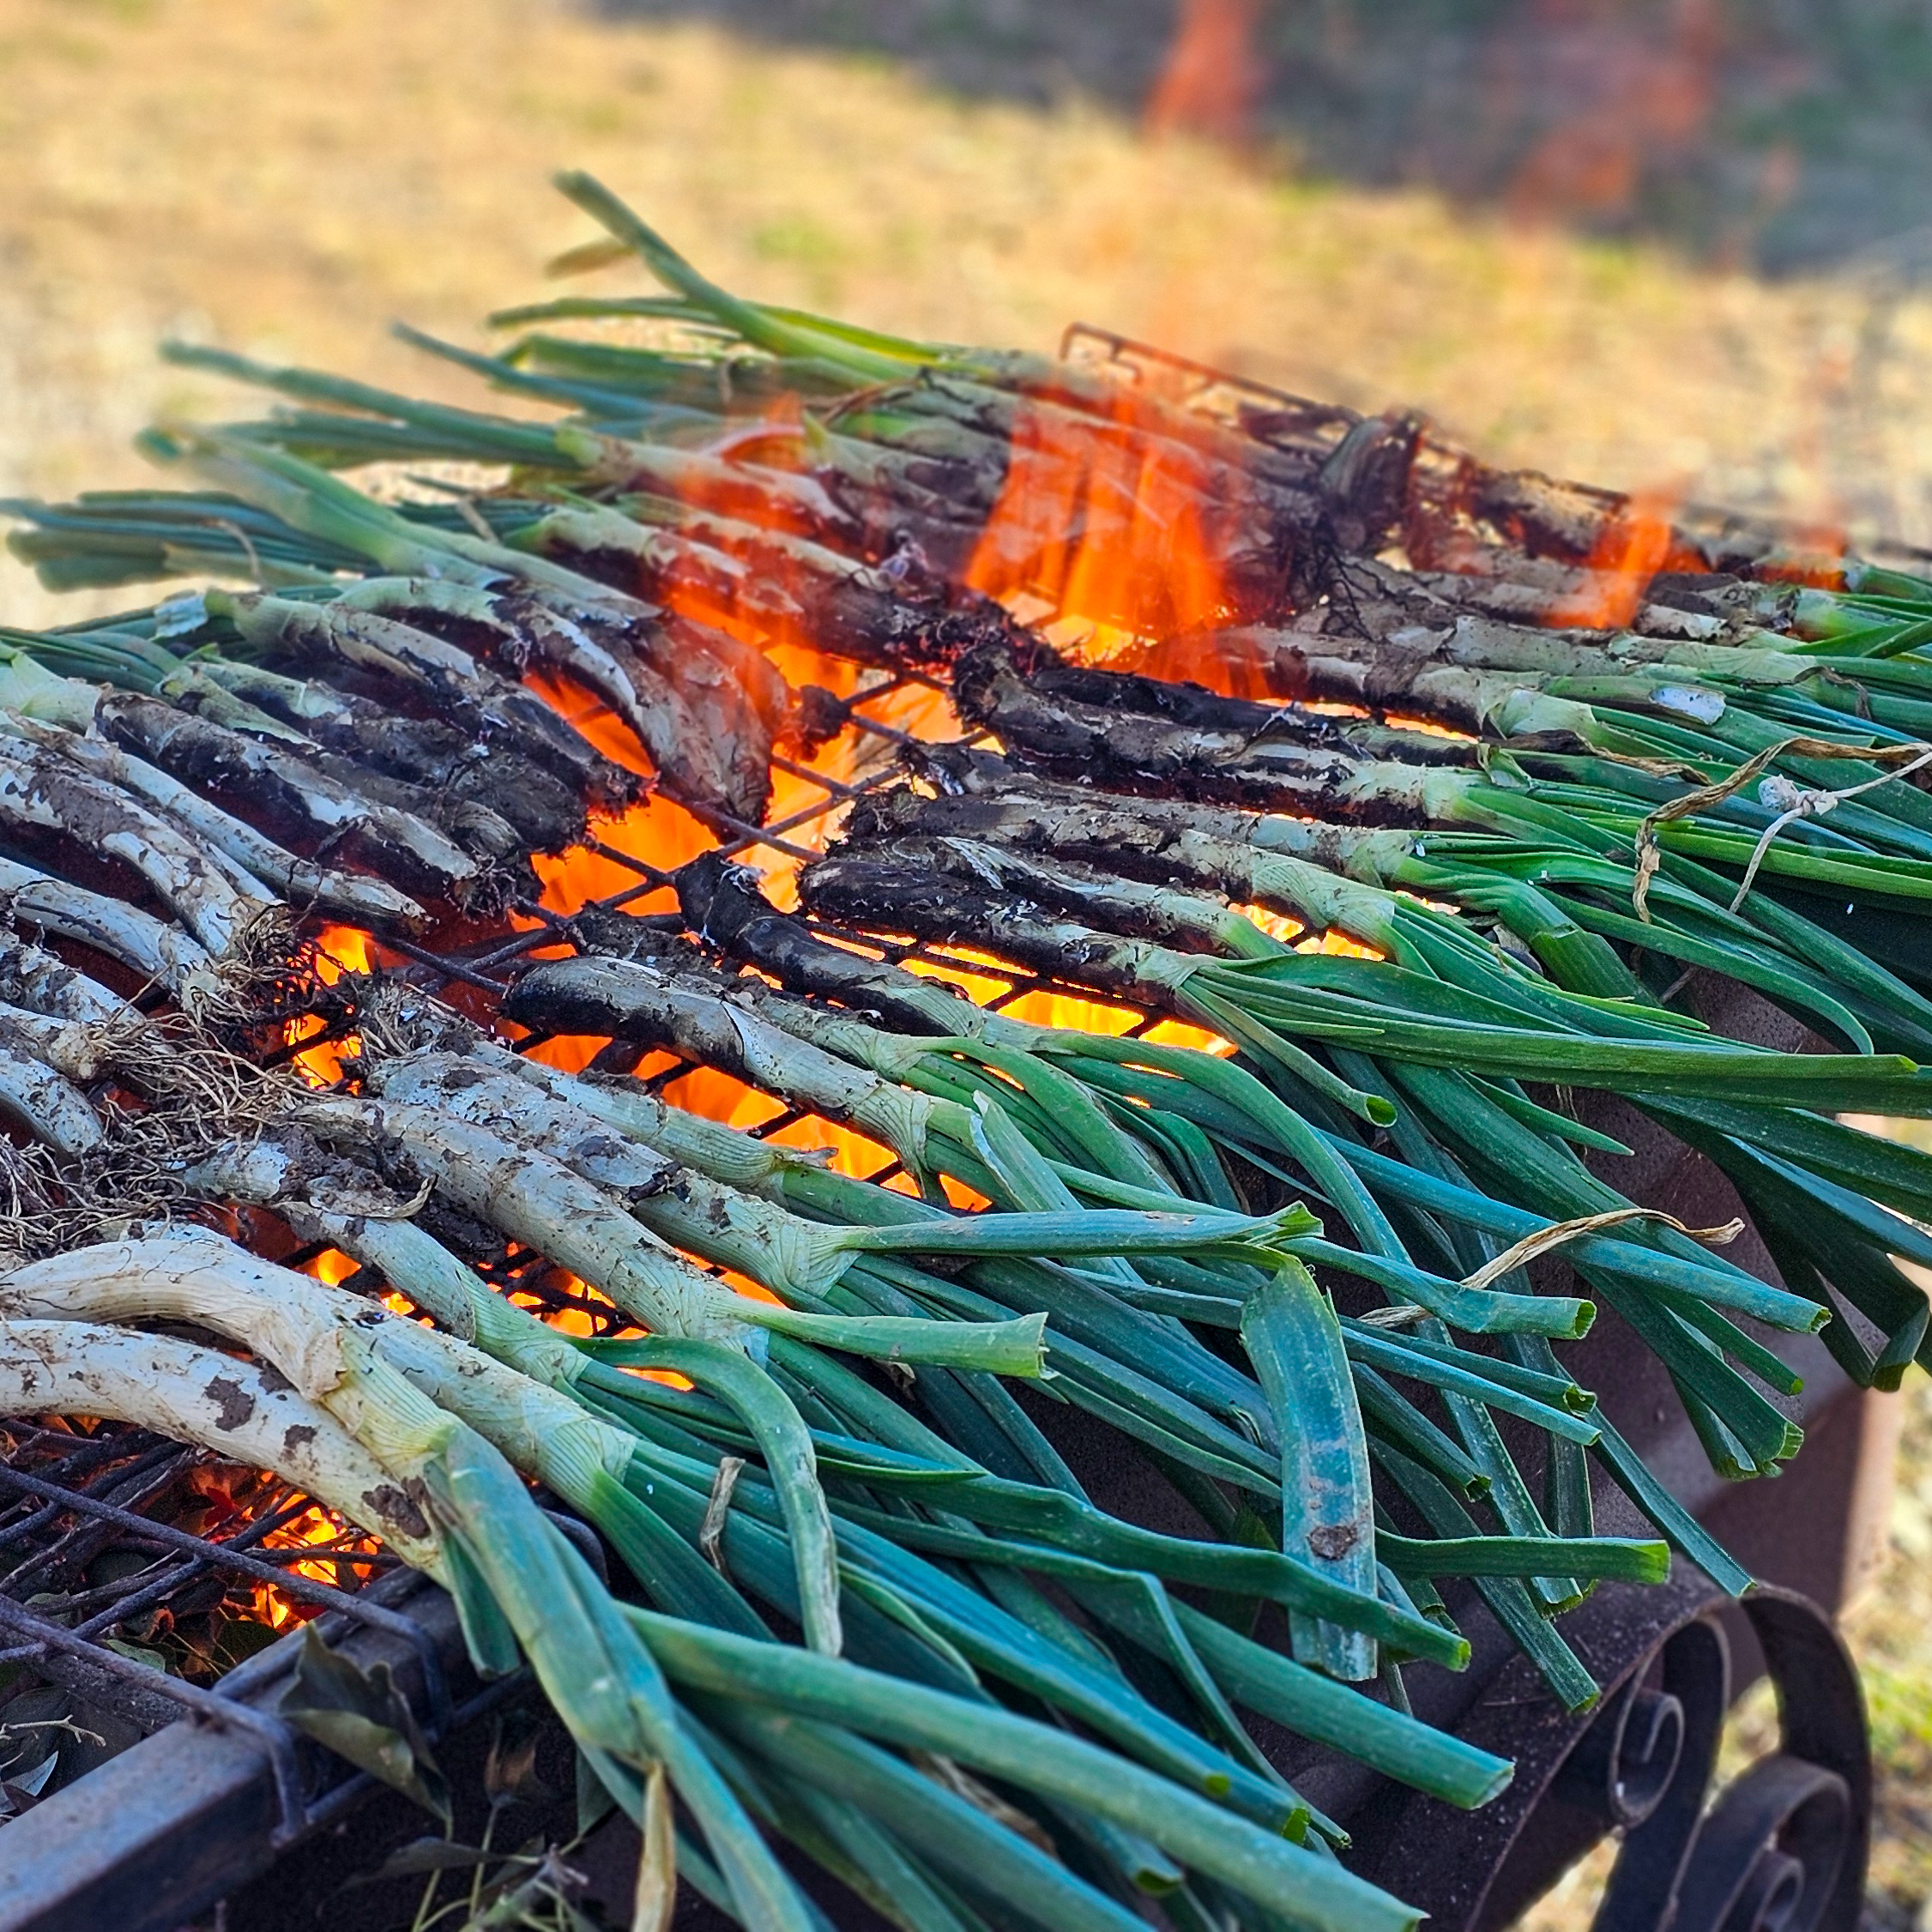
{"points": [[1782, 1848]]}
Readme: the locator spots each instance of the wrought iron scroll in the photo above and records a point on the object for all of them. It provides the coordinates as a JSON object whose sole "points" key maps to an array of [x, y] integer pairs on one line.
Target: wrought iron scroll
{"points": [[1782, 1848]]}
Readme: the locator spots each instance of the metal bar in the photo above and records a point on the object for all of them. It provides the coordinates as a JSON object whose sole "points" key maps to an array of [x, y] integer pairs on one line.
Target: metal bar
{"points": [[150, 1839], [276, 1738], [304, 1588]]}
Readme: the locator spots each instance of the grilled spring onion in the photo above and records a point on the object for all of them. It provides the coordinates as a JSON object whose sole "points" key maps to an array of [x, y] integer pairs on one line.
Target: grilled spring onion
{"points": [[56, 1365], [1592, 806], [874, 1308], [1668, 1280], [149, 947], [1563, 907], [1766, 1134], [812, 1056], [277, 1176], [951, 1339], [462, 1513], [461, 1478], [809, 352], [477, 869], [607, 1011], [661, 713], [1392, 1010], [1240, 1002], [219, 875]]}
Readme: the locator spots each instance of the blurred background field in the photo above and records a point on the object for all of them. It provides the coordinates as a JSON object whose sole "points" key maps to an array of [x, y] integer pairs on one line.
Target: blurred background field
{"points": [[289, 177], [1678, 245]]}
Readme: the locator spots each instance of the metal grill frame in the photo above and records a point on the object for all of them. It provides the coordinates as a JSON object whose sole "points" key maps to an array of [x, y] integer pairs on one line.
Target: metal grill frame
{"points": [[91, 1503]]}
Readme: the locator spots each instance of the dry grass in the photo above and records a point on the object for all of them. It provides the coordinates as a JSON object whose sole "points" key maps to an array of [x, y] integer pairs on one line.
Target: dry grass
{"points": [[1891, 1631], [286, 178]]}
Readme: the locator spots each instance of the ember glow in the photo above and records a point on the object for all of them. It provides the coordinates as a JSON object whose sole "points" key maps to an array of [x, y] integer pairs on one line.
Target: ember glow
{"points": [[317, 1529], [338, 950], [1814, 556]]}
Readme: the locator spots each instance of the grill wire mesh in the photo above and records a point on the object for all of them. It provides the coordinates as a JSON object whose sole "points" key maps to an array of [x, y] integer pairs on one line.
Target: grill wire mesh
{"points": [[137, 1575]]}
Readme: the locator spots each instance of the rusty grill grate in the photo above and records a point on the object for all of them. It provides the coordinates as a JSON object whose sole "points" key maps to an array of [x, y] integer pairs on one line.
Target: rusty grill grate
{"points": [[75, 1504], [796, 837]]}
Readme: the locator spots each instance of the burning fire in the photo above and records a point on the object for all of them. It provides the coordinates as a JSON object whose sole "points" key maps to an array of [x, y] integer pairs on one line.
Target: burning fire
{"points": [[315, 1528], [1107, 524], [1212, 72], [338, 950], [1814, 556], [1119, 540], [1631, 550]]}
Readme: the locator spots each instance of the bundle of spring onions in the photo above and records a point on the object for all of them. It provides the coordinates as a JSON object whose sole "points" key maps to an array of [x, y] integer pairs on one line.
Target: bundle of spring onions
{"points": [[1591, 1027], [853, 1530], [886, 1624], [412, 1433]]}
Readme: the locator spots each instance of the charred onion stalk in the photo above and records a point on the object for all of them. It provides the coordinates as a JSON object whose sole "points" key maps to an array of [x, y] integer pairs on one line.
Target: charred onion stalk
{"points": [[1681, 711], [1382, 1025], [1553, 547], [153, 950], [1506, 1026], [84, 788], [477, 783], [1624, 826], [1562, 907], [705, 707], [893, 615], [42, 1101], [478, 864], [1674, 1292]]}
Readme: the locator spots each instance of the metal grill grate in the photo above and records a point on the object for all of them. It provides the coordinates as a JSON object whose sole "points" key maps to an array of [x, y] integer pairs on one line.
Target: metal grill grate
{"points": [[70, 1500], [75, 1501], [795, 838], [67, 1500]]}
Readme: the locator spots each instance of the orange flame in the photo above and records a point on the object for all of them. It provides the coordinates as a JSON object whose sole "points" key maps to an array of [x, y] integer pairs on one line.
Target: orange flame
{"points": [[1212, 73], [339, 950], [1105, 523], [315, 1526], [1814, 556], [1651, 93], [1631, 549]]}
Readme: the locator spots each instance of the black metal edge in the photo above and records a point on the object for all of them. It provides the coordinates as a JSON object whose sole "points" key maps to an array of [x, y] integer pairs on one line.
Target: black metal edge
{"points": [[157, 1834]]}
